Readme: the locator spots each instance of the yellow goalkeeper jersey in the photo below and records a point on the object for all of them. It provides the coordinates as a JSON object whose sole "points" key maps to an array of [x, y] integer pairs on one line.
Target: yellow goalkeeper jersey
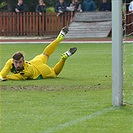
{"points": [[34, 69], [27, 72]]}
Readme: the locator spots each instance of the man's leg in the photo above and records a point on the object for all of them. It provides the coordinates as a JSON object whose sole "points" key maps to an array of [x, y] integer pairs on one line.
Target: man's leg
{"points": [[52, 46], [58, 67], [48, 72]]}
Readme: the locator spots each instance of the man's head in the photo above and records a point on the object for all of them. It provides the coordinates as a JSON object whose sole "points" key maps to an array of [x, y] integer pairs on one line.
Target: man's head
{"points": [[41, 1], [20, 2], [61, 1], [18, 60], [104, 1], [76, 1]]}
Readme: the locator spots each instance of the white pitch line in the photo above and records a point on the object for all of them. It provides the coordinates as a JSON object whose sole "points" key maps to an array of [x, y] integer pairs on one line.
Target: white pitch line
{"points": [[73, 122], [45, 42], [37, 42]]}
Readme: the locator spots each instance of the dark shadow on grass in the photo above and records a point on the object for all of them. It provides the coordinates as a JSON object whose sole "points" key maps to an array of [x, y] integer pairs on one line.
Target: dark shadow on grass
{"points": [[50, 84]]}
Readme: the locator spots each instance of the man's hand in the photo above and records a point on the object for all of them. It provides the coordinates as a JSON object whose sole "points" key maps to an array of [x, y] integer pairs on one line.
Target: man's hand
{"points": [[58, 14], [40, 13], [16, 10], [60, 11], [2, 79]]}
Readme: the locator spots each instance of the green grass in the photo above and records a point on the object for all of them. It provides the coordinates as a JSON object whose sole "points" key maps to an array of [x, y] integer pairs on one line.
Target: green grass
{"points": [[82, 89]]}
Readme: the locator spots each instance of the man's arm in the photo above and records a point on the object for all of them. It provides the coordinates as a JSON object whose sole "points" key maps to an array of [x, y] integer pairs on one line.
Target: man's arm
{"points": [[37, 9], [2, 79], [17, 76], [65, 6], [56, 8], [25, 8], [17, 8], [6, 69]]}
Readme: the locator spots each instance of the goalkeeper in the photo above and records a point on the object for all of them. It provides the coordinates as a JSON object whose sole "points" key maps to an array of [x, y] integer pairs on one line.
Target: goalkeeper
{"points": [[17, 68]]}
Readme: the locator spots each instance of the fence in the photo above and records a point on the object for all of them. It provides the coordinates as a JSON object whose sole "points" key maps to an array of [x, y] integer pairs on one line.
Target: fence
{"points": [[32, 24]]}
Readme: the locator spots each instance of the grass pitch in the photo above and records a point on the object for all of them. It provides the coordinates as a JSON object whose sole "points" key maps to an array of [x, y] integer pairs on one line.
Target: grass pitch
{"points": [[77, 101]]}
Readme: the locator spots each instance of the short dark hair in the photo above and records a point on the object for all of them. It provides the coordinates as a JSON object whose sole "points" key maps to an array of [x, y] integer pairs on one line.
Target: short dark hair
{"points": [[17, 56]]}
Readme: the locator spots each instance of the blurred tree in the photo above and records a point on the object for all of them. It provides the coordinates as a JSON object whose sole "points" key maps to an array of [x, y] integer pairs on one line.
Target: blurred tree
{"points": [[3, 5], [9, 5]]}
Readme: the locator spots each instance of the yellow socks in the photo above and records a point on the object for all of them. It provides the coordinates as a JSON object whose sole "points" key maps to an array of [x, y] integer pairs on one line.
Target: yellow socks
{"points": [[58, 67]]}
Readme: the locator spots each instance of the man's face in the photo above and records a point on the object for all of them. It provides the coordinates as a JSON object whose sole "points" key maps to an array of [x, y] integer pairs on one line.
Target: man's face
{"points": [[40, 1], [104, 1], [20, 1], [61, 1], [18, 64]]}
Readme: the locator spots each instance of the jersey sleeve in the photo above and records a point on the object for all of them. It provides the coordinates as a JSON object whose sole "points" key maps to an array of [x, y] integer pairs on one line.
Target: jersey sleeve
{"points": [[15, 77], [27, 73], [19, 76], [6, 69]]}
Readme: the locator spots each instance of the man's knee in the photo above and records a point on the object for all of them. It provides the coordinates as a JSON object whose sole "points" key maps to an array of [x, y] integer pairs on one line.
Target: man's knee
{"points": [[46, 55]]}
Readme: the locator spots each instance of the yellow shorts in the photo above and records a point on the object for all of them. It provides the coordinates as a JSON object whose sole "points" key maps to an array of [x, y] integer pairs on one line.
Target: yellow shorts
{"points": [[39, 62]]}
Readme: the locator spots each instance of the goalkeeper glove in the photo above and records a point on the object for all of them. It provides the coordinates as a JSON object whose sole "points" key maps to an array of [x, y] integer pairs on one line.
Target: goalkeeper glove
{"points": [[2, 79]]}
